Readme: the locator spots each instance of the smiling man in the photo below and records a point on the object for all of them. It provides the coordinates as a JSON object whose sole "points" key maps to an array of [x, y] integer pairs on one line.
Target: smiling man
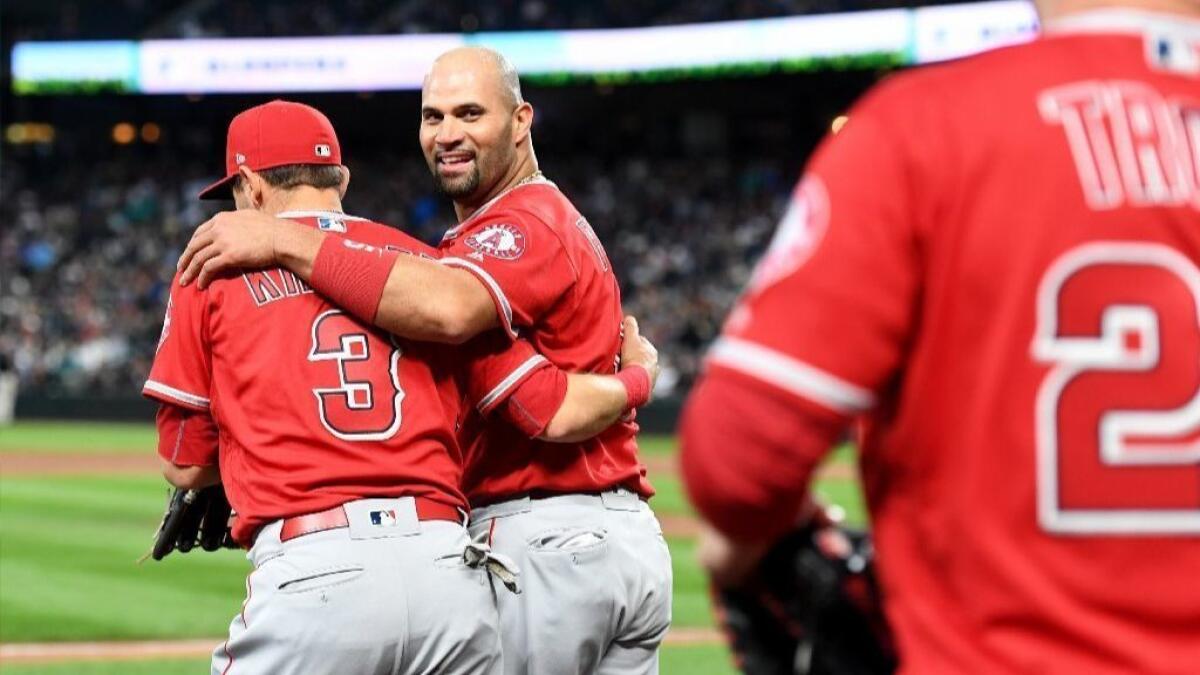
{"points": [[596, 569]]}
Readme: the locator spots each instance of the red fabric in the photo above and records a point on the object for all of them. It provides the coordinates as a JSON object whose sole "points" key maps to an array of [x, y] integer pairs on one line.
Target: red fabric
{"points": [[533, 406], [552, 281], [186, 437], [636, 381], [744, 451], [315, 408], [354, 274], [275, 134], [939, 268]]}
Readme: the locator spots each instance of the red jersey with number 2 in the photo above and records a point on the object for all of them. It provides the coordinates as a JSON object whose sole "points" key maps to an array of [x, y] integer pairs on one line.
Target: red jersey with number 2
{"points": [[314, 408], [997, 261], [553, 285]]}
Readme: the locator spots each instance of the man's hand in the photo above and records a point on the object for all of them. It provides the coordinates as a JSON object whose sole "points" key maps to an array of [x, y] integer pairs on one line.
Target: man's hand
{"points": [[637, 350], [230, 239]]}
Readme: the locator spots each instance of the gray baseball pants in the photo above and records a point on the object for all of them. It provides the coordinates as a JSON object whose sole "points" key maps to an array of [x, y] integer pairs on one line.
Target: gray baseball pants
{"points": [[386, 595], [595, 580]]}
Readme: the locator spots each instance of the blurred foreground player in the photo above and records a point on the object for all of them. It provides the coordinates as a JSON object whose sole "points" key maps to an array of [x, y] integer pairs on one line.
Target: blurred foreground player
{"points": [[596, 569], [995, 263], [337, 443]]}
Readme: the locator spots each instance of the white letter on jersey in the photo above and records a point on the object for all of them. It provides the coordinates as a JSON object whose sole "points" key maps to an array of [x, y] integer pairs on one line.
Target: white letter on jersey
{"points": [[1130, 145]]}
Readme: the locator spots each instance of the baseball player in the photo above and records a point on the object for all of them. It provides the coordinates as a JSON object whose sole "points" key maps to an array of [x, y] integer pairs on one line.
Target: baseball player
{"points": [[596, 568], [995, 263], [336, 441]]}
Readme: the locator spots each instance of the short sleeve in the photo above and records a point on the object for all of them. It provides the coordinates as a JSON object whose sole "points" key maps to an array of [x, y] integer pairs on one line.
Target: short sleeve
{"points": [[182, 366], [495, 367], [521, 262], [830, 307], [185, 437]]}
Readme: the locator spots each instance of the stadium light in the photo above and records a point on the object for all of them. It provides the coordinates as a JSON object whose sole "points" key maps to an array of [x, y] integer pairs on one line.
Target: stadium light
{"points": [[151, 132], [123, 133], [21, 133]]}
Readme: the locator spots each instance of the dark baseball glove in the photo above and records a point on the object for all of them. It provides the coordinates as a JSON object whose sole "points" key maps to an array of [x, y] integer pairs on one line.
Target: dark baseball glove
{"points": [[810, 608], [194, 518]]}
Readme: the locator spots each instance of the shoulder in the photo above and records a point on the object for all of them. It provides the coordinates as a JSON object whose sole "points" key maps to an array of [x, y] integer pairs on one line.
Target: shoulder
{"points": [[387, 236], [935, 86]]}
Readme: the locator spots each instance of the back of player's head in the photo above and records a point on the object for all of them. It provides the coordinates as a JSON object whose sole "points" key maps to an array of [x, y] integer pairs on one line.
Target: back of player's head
{"points": [[289, 144]]}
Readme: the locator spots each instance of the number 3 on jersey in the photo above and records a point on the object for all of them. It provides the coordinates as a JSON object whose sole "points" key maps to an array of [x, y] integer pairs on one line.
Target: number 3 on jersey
{"points": [[365, 406], [1118, 415]]}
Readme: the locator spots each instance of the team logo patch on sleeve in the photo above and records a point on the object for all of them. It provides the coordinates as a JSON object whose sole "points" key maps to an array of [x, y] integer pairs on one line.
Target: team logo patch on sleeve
{"points": [[800, 232], [503, 241], [166, 329]]}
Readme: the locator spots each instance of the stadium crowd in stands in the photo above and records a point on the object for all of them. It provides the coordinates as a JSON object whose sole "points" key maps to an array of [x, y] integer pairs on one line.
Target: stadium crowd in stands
{"points": [[87, 249]]}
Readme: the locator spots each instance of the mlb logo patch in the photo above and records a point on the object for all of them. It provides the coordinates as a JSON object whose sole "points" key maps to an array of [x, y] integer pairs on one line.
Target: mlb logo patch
{"points": [[332, 225], [383, 518], [322, 150]]}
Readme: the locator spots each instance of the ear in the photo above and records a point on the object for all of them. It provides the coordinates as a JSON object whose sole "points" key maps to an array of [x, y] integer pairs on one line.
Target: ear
{"points": [[522, 122], [345, 182], [253, 187]]}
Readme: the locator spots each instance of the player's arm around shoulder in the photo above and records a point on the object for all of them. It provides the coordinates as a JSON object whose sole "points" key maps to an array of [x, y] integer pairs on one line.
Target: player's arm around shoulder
{"points": [[512, 381], [406, 295], [593, 403]]}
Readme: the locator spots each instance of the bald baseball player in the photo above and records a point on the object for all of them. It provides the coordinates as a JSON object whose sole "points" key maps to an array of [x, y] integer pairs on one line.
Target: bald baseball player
{"points": [[337, 447], [521, 259], [997, 263]]}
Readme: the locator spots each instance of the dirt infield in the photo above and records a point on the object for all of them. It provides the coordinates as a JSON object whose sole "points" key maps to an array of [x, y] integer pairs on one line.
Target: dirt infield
{"points": [[48, 652], [89, 464]]}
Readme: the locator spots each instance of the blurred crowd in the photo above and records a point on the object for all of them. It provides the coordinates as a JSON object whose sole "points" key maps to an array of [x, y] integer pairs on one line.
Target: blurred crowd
{"points": [[87, 250]]}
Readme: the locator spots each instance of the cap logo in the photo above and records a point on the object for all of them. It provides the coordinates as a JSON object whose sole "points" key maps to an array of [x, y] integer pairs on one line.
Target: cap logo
{"points": [[322, 150], [239, 158]]}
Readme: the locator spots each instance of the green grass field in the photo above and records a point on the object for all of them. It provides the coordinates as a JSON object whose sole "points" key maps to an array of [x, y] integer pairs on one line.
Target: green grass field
{"points": [[69, 545]]}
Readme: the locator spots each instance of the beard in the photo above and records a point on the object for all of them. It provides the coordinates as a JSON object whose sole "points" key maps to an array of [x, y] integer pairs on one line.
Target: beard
{"points": [[458, 187]]}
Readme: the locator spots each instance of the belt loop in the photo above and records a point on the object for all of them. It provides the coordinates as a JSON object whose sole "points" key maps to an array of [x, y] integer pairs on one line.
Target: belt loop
{"points": [[620, 499]]}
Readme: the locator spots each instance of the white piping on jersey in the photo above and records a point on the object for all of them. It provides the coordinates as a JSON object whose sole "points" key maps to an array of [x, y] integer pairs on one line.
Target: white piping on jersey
{"points": [[453, 232], [496, 290], [508, 382], [177, 394], [317, 214], [791, 375], [1116, 20], [179, 440]]}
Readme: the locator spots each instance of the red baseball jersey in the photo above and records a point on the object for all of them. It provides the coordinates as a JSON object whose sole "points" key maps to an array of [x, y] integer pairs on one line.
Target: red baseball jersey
{"points": [[552, 284], [314, 408], [996, 264]]}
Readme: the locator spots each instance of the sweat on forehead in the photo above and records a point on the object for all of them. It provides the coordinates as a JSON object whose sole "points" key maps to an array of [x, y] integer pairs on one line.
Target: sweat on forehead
{"points": [[482, 64]]}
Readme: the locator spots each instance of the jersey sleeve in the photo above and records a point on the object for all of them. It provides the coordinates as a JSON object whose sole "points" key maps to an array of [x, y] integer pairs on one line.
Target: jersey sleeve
{"points": [[496, 367], [182, 366], [520, 260], [830, 307], [186, 437]]}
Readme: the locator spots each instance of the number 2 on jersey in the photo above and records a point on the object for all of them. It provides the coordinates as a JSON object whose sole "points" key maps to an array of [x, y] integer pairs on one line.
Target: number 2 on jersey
{"points": [[1118, 414], [365, 406]]}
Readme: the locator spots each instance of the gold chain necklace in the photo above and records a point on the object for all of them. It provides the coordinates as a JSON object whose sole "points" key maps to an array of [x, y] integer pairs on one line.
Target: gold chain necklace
{"points": [[536, 175]]}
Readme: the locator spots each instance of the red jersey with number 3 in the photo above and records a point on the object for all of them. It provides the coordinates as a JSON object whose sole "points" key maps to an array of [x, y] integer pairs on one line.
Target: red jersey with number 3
{"points": [[314, 408], [553, 285], [997, 261]]}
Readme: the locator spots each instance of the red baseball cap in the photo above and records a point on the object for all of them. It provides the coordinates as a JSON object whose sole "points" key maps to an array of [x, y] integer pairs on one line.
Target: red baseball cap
{"points": [[275, 134]]}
